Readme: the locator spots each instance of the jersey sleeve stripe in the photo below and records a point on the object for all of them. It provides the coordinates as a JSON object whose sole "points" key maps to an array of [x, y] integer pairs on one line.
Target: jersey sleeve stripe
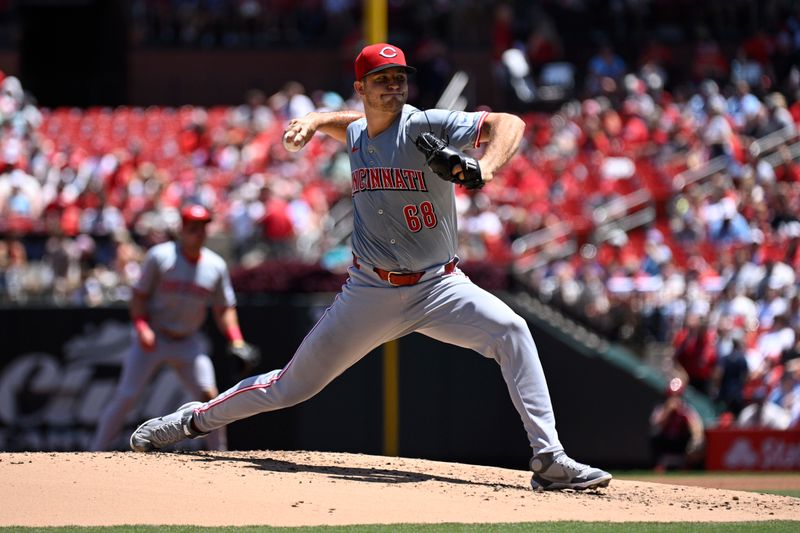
{"points": [[484, 114]]}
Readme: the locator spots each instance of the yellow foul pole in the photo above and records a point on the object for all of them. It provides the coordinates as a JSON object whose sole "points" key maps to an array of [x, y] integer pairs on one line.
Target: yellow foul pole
{"points": [[375, 31], [375, 21]]}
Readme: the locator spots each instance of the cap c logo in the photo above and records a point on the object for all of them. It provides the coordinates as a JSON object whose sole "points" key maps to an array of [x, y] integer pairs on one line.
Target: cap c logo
{"points": [[388, 52]]}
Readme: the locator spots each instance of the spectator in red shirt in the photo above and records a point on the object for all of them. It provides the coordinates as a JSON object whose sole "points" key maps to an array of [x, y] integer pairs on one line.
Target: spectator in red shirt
{"points": [[502, 30], [794, 109], [709, 61], [635, 131], [695, 351], [276, 224], [759, 47]]}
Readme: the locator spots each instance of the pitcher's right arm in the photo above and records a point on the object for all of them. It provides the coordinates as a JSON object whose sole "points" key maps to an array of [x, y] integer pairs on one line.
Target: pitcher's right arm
{"points": [[333, 123]]}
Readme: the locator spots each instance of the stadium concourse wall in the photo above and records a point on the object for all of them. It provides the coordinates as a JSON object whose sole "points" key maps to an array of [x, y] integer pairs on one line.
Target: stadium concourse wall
{"points": [[59, 366], [206, 77]]}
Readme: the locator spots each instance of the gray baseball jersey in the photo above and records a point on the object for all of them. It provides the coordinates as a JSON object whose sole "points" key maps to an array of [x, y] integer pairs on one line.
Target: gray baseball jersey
{"points": [[404, 220], [180, 291], [405, 217]]}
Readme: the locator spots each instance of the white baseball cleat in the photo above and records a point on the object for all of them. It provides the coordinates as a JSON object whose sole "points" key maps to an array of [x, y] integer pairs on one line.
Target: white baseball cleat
{"points": [[556, 471], [165, 430]]}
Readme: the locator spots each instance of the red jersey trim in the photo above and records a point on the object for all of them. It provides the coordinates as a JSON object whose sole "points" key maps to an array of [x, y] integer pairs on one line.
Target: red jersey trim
{"points": [[273, 380], [481, 120]]}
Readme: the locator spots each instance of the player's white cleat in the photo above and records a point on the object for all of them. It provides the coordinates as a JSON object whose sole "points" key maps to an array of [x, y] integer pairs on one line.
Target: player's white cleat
{"points": [[160, 432], [556, 471]]}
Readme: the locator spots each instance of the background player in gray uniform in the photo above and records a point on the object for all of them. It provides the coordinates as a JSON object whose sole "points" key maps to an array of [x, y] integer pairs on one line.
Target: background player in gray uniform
{"points": [[404, 276], [179, 280]]}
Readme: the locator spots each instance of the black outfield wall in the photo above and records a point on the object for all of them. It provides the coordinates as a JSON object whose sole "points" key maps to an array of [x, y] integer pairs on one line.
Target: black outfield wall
{"points": [[58, 368]]}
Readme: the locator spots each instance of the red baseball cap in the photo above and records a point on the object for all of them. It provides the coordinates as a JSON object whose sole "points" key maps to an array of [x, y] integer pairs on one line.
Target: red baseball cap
{"points": [[195, 212], [379, 56]]}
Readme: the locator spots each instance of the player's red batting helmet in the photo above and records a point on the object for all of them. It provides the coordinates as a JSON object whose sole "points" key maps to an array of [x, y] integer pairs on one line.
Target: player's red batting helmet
{"points": [[195, 212], [379, 56]]}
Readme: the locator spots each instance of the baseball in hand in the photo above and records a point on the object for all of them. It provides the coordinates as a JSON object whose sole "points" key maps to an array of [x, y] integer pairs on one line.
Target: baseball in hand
{"points": [[289, 144]]}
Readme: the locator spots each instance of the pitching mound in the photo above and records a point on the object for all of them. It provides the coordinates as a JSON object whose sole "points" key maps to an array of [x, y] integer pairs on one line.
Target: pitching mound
{"points": [[310, 488]]}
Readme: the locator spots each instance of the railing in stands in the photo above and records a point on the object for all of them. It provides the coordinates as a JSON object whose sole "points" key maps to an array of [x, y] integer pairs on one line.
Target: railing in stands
{"points": [[558, 241], [631, 211], [340, 225], [792, 151], [768, 143], [635, 209], [451, 96], [774, 140], [538, 248]]}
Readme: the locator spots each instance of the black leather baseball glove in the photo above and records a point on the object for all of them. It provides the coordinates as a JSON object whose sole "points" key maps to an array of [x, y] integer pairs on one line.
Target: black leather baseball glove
{"points": [[442, 158], [249, 355]]}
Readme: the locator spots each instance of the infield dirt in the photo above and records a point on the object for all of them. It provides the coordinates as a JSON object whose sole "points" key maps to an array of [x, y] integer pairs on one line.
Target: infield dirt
{"points": [[311, 488]]}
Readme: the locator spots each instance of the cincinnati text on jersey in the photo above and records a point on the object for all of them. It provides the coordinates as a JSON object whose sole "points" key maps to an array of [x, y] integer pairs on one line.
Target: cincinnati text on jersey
{"points": [[391, 179], [187, 287]]}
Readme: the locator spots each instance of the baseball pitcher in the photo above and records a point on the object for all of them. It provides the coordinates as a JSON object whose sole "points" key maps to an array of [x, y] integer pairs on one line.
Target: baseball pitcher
{"points": [[405, 165]]}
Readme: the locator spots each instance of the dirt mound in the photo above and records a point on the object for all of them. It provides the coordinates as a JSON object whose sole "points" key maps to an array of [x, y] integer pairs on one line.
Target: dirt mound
{"points": [[309, 488]]}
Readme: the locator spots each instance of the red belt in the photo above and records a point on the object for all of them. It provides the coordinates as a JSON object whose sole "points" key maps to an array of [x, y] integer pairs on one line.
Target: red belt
{"points": [[402, 279], [172, 335]]}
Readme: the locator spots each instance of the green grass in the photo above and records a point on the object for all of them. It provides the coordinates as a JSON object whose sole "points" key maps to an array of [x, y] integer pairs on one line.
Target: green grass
{"points": [[786, 492], [545, 527], [642, 474], [648, 475]]}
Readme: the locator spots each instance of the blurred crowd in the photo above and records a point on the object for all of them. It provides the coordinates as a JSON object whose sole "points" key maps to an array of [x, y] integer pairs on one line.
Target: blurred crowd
{"points": [[707, 289], [708, 285], [84, 192]]}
